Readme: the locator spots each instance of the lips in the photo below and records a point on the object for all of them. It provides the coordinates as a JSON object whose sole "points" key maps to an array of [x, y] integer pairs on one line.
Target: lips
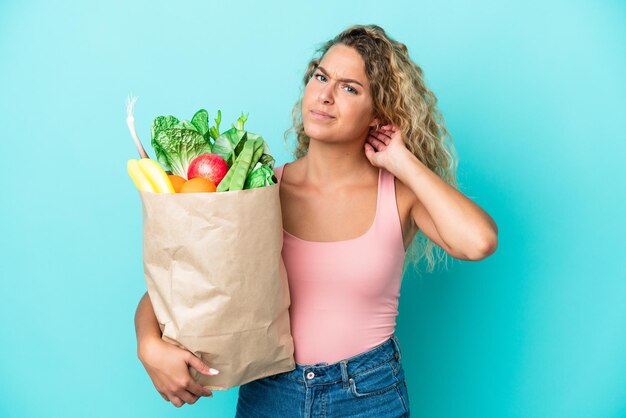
{"points": [[320, 113]]}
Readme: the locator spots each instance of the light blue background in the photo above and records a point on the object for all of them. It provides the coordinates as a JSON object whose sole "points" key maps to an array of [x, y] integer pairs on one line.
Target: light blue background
{"points": [[532, 92]]}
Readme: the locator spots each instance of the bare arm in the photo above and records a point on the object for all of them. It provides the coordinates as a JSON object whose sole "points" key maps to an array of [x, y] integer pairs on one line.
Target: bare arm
{"points": [[146, 324], [166, 364], [454, 221], [445, 215]]}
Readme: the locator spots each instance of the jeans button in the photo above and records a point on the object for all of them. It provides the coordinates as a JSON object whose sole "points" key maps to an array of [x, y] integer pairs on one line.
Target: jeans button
{"points": [[397, 356], [310, 375]]}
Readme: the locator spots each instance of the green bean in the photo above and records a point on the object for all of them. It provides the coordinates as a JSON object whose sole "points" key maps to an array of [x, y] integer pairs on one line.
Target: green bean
{"points": [[256, 155], [244, 158], [223, 186]]}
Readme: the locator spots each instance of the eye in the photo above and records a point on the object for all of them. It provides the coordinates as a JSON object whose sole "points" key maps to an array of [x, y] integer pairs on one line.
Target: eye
{"points": [[352, 90]]}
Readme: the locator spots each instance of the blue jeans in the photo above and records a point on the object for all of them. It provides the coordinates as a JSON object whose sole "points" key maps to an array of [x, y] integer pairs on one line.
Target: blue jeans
{"points": [[370, 384]]}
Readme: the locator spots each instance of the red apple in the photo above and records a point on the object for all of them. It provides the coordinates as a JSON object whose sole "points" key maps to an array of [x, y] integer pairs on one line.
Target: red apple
{"points": [[209, 166]]}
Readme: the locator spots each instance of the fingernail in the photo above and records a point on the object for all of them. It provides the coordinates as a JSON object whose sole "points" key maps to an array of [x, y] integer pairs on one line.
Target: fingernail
{"points": [[213, 371]]}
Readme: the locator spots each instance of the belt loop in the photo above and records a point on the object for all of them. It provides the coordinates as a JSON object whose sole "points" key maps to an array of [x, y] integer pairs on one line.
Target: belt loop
{"points": [[344, 373], [396, 342]]}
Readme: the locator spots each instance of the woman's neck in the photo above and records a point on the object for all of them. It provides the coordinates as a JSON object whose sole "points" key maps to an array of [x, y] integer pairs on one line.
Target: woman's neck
{"points": [[336, 165]]}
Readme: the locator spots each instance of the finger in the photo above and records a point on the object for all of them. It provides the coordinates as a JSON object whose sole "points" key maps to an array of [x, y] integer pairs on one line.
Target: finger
{"points": [[192, 398], [176, 401], [200, 366], [388, 130], [385, 139], [382, 136], [188, 397], [199, 390], [164, 397], [376, 143]]}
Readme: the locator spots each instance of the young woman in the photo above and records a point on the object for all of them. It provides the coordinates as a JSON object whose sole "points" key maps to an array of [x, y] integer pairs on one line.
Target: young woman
{"points": [[371, 170]]}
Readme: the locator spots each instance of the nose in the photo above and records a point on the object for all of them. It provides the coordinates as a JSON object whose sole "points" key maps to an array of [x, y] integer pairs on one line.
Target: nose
{"points": [[325, 95]]}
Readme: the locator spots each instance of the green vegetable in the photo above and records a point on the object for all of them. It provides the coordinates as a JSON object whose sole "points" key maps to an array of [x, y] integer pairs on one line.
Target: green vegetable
{"points": [[241, 120], [262, 175], [225, 183], [239, 175], [226, 143], [258, 151], [201, 121], [214, 131], [243, 163], [177, 142], [229, 144], [240, 145], [266, 158]]}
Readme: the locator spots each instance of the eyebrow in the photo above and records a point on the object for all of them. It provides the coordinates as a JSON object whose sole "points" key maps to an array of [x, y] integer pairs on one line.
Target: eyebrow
{"points": [[341, 79]]}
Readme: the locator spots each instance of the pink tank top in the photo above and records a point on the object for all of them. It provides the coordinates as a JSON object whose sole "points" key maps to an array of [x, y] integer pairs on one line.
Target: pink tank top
{"points": [[344, 294]]}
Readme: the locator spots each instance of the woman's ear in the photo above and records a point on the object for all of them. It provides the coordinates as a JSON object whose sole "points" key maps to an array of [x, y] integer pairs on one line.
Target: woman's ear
{"points": [[375, 123]]}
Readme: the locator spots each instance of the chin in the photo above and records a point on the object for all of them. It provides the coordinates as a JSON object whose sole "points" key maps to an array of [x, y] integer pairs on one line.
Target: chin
{"points": [[317, 133]]}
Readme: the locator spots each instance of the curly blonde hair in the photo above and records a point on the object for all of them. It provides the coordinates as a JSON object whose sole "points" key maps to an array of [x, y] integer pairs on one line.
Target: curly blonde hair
{"points": [[400, 97]]}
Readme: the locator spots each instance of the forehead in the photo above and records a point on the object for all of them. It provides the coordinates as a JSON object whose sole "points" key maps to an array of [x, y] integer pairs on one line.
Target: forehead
{"points": [[342, 61]]}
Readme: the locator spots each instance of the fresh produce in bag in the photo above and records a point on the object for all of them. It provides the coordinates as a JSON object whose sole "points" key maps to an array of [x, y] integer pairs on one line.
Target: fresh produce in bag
{"points": [[212, 258]]}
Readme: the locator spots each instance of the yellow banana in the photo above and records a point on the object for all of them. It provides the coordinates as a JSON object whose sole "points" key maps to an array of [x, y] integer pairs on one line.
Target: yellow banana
{"points": [[140, 180], [156, 175]]}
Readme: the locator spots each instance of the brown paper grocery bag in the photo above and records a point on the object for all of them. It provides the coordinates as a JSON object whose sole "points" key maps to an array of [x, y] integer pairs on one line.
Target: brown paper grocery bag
{"points": [[217, 281]]}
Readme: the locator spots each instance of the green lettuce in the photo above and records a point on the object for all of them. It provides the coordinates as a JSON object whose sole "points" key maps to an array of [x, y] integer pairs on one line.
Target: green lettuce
{"points": [[177, 142], [262, 175]]}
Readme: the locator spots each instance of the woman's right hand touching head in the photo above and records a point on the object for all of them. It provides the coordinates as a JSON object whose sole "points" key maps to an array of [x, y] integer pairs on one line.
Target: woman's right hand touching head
{"points": [[168, 367]]}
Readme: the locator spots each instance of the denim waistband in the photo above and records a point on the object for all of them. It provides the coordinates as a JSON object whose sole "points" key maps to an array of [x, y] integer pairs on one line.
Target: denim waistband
{"points": [[343, 370]]}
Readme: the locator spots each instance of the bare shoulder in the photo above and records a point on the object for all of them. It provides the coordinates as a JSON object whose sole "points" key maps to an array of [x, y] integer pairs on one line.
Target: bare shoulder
{"points": [[294, 168]]}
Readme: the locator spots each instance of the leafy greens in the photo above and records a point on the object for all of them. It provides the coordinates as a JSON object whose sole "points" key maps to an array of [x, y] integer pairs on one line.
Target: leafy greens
{"points": [[177, 142]]}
